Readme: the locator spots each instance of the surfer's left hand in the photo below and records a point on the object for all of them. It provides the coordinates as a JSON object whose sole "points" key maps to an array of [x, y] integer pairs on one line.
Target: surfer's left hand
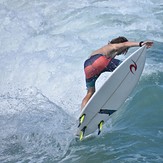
{"points": [[148, 44]]}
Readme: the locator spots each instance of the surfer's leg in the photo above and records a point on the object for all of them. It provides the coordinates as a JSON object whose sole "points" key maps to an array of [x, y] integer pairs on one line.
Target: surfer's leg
{"points": [[89, 94]]}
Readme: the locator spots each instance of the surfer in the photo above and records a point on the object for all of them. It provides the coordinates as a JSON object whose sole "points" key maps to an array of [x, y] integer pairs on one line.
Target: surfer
{"points": [[103, 59]]}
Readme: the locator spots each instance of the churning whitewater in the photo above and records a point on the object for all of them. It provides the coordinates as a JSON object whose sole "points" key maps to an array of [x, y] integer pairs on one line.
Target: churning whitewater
{"points": [[43, 45]]}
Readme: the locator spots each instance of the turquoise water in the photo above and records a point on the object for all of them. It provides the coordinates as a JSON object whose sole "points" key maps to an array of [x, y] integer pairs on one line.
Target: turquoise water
{"points": [[43, 45]]}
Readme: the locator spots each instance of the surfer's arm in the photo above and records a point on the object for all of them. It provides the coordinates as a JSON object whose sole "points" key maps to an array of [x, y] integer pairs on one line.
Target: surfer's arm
{"points": [[130, 44], [125, 45]]}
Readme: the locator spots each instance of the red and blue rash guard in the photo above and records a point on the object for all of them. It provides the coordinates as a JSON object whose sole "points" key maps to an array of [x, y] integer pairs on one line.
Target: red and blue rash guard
{"points": [[96, 65]]}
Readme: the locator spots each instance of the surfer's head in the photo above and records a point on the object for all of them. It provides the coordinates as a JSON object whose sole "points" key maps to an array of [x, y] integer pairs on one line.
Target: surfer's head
{"points": [[117, 40]]}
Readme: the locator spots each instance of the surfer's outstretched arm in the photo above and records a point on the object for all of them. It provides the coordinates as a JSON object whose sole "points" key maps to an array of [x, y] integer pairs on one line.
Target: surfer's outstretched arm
{"points": [[130, 44]]}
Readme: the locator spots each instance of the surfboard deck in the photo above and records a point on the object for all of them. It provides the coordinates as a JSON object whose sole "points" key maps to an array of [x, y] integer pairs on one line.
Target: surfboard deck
{"points": [[112, 94]]}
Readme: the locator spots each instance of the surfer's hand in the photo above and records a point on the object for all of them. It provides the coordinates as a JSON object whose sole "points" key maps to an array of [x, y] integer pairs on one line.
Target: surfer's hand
{"points": [[148, 44]]}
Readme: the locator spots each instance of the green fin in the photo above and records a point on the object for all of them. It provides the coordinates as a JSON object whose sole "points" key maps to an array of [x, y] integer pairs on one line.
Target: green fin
{"points": [[81, 135], [81, 119], [100, 125]]}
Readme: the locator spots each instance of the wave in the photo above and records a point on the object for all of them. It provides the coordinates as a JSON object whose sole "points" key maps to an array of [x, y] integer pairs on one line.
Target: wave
{"points": [[42, 78], [141, 111]]}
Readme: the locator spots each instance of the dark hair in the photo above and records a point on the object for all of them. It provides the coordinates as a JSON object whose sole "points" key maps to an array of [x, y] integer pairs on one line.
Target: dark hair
{"points": [[119, 39]]}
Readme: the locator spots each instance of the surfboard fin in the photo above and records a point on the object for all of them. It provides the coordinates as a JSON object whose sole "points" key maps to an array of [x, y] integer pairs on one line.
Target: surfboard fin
{"points": [[100, 125], [81, 119], [81, 135], [106, 111]]}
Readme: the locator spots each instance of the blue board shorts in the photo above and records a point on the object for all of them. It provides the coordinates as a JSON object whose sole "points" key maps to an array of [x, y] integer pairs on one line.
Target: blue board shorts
{"points": [[97, 64]]}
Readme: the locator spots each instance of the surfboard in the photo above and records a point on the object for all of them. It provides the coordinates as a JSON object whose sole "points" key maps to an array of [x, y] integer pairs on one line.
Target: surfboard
{"points": [[112, 94]]}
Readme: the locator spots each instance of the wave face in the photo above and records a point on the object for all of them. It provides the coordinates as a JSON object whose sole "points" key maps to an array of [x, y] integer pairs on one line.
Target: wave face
{"points": [[43, 45]]}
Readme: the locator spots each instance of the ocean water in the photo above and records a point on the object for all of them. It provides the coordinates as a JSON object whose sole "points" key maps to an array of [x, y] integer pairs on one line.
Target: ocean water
{"points": [[43, 45]]}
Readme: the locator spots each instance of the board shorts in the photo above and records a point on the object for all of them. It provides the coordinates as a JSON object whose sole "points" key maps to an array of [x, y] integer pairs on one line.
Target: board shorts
{"points": [[96, 65]]}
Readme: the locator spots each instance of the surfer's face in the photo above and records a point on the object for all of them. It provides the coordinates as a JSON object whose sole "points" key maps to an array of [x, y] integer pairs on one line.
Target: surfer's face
{"points": [[125, 51]]}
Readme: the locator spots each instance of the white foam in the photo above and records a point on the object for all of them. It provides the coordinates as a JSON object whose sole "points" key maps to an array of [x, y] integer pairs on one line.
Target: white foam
{"points": [[44, 44]]}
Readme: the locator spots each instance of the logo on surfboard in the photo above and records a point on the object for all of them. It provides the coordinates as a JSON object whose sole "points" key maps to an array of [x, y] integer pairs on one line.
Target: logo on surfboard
{"points": [[133, 67]]}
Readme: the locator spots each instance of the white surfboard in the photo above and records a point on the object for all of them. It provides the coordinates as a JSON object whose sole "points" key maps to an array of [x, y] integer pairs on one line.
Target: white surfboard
{"points": [[112, 93]]}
